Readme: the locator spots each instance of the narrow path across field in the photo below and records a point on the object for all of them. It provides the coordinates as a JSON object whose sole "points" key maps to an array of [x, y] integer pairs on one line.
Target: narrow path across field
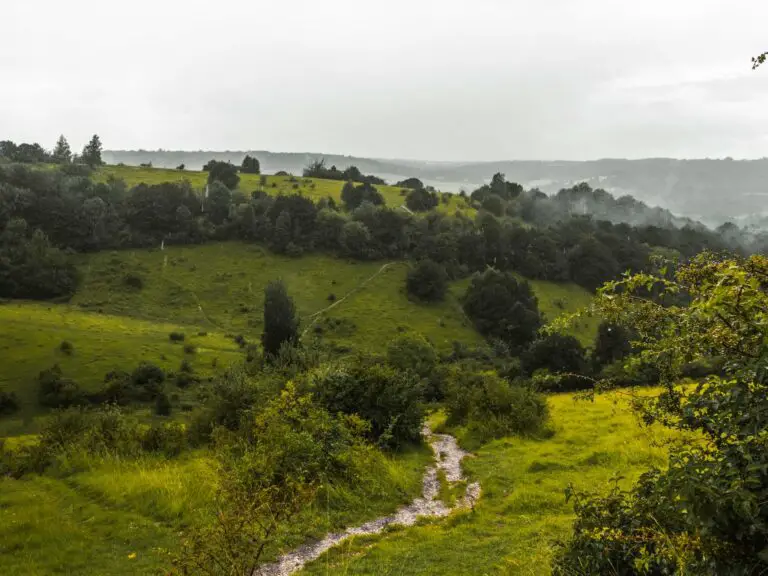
{"points": [[448, 457], [314, 316]]}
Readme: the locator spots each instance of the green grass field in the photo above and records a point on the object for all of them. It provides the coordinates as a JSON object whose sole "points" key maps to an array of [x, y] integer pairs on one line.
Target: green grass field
{"points": [[220, 287], [314, 188], [32, 335], [124, 517], [522, 510]]}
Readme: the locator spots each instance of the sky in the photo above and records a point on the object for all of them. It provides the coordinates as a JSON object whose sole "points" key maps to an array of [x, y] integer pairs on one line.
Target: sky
{"points": [[456, 80]]}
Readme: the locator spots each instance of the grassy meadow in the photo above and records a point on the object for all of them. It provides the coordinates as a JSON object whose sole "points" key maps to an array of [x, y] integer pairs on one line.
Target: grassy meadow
{"points": [[31, 339], [314, 188], [220, 287], [522, 511], [123, 517]]}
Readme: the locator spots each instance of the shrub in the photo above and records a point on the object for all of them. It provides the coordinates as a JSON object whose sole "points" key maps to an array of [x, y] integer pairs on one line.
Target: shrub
{"points": [[421, 200], [412, 352], [176, 337], [56, 391], [331, 297], [491, 407], [558, 354], [147, 380], [66, 347], [9, 403], [280, 322], [389, 399], [168, 438], [133, 281], [428, 281], [163, 405], [190, 349]]}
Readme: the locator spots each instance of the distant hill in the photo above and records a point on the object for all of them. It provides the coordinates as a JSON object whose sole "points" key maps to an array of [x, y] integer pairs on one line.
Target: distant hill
{"points": [[710, 190]]}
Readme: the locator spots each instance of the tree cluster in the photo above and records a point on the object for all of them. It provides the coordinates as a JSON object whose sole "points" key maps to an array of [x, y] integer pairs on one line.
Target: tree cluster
{"points": [[318, 169]]}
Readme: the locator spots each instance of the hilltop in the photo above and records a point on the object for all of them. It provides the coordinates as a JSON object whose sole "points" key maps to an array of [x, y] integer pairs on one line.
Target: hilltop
{"points": [[712, 190]]}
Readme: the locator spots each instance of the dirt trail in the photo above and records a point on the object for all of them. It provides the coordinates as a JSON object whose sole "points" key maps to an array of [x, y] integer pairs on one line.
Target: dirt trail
{"points": [[448, 457]]}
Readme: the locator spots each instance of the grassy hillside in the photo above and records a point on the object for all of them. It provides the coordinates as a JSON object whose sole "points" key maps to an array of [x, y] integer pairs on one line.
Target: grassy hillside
{"points": [[31, 341], [522, 511], [220, 287], [122, 518], [314, 188]]}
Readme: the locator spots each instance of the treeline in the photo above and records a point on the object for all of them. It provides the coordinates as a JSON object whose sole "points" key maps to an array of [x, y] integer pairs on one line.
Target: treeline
{"points": [[318, 169], [75, 212], [61, 153]]}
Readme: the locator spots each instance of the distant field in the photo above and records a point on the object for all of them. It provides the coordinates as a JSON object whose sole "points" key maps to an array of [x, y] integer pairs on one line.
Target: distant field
{"points": [[32, 334], [314, 188], [522, 510], [220, 287]]}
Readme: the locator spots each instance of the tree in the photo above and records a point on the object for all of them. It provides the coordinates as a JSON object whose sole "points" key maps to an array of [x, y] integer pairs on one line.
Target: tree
{"points": [[559, 354], [421, 200], [92, 152], [502, 308], [353, 196], [62, 154], [591, 263], [355, 240], [412, 352], [612, 344], [224, 172], [281, 326], [283, 232], [703, 513], [412, 183], [250, 165], [428, 281], [218, 202]]}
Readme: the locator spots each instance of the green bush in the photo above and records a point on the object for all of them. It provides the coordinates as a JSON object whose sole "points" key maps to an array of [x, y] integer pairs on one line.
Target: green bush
{"points": [[391, 400], [176, 337], [9, 403], [56, 391], [412, 352], [490, 407], [163, 405], [428, 281], [168, 438], [147, 380]]}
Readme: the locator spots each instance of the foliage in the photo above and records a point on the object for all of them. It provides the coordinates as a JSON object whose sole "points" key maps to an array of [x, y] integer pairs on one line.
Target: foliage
{"points": [[30, 267], [9, 402], [421, 200], [318, 169], [62, 153], [559, 354], [502, 308], [612, 344], [91, 155], [267, 474], [759, 60], [224, 172], [250, 165], [387, 398], [56, 391], [412, 183], [412, 352], [705, 512], [353, 196], [280, 322], [427, 281], [490, 407]]}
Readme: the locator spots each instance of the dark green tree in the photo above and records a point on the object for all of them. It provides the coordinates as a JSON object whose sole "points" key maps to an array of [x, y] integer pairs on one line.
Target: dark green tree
{"points": [[224, 172], [283, 232], [218, 202], [92, 152], [427, 281], [421, 200], [62, 154], [559, 354], [281, 326], [250, 165], [503, 308]]}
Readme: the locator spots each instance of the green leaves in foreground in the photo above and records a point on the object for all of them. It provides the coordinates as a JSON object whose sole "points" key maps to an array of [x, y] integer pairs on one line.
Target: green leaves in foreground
{"points": [[708, 512]]}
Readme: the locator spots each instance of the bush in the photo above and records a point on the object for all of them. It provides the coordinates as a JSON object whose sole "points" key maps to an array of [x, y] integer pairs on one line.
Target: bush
{"points": [[428, 281], [421, 200], [168, 438], [133, 281], [176, 337], [558, 354], [56, 391], [392, 401], [163, 405], [190, 349], [9, 403], [412, 352], [66, 347], [490, 407], [147, 380]]}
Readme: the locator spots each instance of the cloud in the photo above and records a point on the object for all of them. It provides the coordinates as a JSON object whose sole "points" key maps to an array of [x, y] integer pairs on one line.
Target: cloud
{"points": [[449, 80]]}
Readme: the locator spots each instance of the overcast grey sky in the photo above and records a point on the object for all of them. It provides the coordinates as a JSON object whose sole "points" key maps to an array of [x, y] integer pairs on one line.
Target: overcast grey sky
{"points": [[436, 80]]}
